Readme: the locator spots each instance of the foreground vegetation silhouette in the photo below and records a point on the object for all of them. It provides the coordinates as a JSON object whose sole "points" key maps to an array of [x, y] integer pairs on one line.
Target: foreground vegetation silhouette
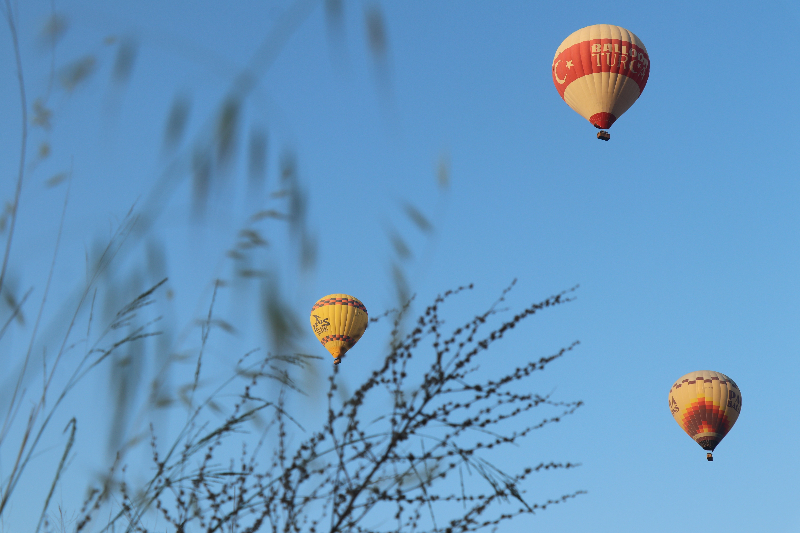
{"points": [[345, 470], [424, 463]]}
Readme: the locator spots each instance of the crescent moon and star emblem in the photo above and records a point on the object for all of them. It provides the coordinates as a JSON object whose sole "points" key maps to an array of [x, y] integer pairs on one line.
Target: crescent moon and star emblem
{"points": [[555, 67]]}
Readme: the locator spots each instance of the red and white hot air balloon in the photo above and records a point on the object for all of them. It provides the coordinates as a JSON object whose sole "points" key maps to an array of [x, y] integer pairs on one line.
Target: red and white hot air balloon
{"points": [[600, 71]]}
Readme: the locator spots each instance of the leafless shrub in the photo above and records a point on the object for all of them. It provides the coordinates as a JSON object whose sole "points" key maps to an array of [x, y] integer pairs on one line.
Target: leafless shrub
{"points": [[349, 470]]}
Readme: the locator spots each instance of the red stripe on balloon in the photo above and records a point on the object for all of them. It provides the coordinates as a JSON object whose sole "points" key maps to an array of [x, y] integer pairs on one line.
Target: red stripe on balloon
{"points": [[729, 381], [345, 338], [600, 55], [602, 121], [339, 301]]}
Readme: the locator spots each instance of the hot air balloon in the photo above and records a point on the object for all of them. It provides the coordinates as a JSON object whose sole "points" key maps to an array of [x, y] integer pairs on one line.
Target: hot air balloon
{"points": [[600, 71], [338, 321], [706, 405]]}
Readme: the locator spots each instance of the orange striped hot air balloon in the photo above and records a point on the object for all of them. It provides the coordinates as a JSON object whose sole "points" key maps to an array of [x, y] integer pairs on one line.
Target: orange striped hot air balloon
{"points": [[706, 405], [600, 71], [338, 321]]}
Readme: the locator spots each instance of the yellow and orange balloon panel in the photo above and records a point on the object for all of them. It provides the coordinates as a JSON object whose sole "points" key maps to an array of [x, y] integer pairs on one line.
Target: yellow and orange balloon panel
{"points": [[338, 321], [706, 405], [600, 71]]}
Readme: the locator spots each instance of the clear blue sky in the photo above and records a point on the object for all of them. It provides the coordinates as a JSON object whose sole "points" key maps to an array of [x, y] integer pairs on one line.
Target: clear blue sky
{"points": [[682, 230]]}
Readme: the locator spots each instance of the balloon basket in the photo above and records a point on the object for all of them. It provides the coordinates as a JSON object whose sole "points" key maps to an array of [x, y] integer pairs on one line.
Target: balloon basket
{"points": [[337, 361], [603, 135], [709, 457]]}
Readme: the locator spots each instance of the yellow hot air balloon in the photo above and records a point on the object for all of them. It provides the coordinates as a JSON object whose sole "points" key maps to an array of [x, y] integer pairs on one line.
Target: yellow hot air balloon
{"points": [[706, 405], [338, 321]]}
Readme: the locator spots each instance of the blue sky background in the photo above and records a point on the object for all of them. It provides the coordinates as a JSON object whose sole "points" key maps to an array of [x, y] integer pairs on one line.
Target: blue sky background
{"points": [[682, 230]]}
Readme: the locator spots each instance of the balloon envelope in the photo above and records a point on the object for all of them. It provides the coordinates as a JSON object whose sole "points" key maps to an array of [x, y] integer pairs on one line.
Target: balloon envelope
{"points": [[706, 405], [600, 71], [338, 321]]}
